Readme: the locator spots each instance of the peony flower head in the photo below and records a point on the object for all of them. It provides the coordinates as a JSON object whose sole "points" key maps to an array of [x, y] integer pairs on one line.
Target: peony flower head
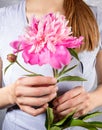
{"points": [[46, 41]]}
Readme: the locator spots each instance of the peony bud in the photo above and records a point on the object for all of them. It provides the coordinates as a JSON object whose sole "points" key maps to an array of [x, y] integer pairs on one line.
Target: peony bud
{"points": [[11, 58]]}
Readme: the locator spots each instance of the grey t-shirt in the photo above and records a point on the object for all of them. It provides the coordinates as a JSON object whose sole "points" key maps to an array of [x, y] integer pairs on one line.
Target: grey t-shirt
{"points": [[12, 23]]}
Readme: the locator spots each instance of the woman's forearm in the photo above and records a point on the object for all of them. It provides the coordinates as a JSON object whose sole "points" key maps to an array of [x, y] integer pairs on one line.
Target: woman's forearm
{"points": [[6, 97], [97, 96]]}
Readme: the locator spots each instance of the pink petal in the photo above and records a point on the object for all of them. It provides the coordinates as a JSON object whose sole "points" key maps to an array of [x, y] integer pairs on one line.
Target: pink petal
{"points": [[73, 42], [54, 62], [44, 57], [63, 55], [32, 59], [15, 44], [60, 57]]}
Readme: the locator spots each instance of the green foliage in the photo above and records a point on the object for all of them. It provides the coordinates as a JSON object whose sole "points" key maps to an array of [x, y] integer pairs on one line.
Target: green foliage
{"points": [[73, 53], [49, 118], [90, 115], [7, 67], [70, 121], [71, 78]]}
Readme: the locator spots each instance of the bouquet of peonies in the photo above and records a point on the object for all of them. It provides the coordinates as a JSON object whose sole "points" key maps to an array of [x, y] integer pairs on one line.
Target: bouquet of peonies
{"points": [[49, 40]]}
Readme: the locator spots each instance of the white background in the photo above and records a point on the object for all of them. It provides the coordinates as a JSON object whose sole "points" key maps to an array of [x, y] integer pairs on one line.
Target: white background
{"points": [[8, 2]]}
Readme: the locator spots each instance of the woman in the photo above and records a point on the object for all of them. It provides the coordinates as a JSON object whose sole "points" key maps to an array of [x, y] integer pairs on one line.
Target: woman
{"points": [[78, 96]]}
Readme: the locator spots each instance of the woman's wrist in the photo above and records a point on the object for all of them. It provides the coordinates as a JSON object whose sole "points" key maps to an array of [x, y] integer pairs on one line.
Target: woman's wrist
{"points": [[8, 98], [11, 94]]}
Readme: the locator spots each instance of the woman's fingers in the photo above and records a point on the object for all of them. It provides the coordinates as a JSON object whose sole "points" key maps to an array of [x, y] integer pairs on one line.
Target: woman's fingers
{"points": [[32, 111], [36, 81], [65, 112], [34, 101], [68, 95], [72, 103], [82, 109], [35, 91], [77, 101]]}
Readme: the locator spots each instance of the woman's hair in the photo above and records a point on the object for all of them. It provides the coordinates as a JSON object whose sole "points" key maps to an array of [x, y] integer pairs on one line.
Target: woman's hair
{"points": [[83, 23]]}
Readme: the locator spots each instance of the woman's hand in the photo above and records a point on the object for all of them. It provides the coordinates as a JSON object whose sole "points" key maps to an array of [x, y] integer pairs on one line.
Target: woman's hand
{"points": [[77, 100], [30, 92]]}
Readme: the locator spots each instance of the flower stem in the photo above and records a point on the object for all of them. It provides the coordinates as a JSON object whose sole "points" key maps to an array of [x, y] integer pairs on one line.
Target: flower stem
{"points": [[55, 73], [25, 68]]}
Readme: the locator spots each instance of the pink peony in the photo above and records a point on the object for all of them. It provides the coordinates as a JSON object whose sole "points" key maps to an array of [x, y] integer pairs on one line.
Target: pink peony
{"points": [[46, 41]]}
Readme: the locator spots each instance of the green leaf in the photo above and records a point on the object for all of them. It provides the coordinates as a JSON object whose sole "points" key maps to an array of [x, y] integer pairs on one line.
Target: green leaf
{"points": [[55, 72], [31, 75], [90, 115], [96, 124], [81, 123], [70, 115], [73, 53], [70, 68], [55, 128], [7, 67], [65, 70], [49, 118], [71, 78]]}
